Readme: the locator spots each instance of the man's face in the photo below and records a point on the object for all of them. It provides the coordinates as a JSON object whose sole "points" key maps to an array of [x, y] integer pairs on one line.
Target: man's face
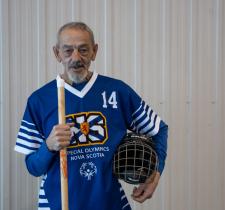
{"points": [[75, 51]]}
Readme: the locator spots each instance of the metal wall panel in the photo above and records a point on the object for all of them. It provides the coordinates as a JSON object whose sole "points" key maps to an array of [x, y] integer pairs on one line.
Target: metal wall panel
{"points": [[171, 51]]}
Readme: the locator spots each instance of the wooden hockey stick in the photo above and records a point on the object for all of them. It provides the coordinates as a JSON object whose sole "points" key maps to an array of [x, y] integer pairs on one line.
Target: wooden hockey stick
{"points": [[63, 153]]}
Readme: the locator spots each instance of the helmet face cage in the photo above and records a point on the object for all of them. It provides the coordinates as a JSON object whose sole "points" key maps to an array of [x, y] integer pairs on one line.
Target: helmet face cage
{"points": [[135, 159]]}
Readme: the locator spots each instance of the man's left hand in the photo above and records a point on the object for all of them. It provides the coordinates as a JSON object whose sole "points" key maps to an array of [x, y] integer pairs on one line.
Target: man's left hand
{"points": [[145, 191]]}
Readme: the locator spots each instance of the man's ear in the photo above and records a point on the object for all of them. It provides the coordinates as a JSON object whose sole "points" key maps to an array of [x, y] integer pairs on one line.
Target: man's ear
{"points": [[95, 50], [56, 52]]}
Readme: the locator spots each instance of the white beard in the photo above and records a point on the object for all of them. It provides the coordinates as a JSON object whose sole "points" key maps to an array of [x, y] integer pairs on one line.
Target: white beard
{"points": [[77, 77]]}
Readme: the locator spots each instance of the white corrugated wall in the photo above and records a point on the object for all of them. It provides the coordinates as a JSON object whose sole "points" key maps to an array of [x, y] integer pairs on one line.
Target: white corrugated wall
{"points": [[171, 51]]}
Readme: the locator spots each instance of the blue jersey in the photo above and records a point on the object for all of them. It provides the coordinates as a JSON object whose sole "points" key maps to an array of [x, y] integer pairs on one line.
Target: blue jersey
{"points": [[102, 111]]}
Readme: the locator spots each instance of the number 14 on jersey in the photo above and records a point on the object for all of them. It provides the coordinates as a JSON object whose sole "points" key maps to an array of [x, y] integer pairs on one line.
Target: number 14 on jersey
{"points": [[109, 100]]}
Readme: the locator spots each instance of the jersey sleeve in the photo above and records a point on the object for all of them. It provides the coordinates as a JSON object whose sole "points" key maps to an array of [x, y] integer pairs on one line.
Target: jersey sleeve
{"points": [[142, 117], [144, 120], [160, 140], [29, 137]]}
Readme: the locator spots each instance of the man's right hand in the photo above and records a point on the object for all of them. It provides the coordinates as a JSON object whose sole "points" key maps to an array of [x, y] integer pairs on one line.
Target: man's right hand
{"points": [[59, 137]]}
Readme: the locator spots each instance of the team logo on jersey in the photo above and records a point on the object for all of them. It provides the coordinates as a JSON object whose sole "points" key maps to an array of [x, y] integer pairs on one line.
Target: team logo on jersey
{"points": [[84, 128], [88, 170], [89, 129]]}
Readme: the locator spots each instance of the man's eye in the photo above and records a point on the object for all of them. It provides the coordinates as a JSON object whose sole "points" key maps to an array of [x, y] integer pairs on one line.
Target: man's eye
{"points": [[83, 50], [68, 51]]}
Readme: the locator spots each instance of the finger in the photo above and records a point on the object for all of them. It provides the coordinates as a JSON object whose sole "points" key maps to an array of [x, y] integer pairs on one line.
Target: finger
{"points": [[144, 192], [60, 145], [63, 126], [70, 124], [141, 198], [137, 191], [61, 133], [134, 190], [62, 138], [64, 144]]}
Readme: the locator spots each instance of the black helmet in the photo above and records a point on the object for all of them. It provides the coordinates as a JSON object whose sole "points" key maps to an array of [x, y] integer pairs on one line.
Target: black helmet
{"points": [[135, 159]]}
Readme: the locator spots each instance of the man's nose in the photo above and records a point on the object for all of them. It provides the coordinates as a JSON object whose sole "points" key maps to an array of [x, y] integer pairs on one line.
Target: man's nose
{"points": [[75, 55]]}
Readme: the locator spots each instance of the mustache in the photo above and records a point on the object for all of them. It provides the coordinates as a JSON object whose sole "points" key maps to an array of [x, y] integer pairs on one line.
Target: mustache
{"points": [[76, 64]]}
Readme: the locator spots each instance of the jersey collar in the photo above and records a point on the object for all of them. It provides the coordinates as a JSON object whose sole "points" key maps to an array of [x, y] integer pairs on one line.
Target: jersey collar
{"points": [[85, 89]]}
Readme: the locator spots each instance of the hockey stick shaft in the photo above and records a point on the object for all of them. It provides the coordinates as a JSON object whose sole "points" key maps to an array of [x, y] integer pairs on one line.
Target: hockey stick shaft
{"points": [[63, 153]]}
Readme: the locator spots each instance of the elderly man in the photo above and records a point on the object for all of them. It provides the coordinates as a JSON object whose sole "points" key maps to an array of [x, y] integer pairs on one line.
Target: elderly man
{"points": [[99, 110]]}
